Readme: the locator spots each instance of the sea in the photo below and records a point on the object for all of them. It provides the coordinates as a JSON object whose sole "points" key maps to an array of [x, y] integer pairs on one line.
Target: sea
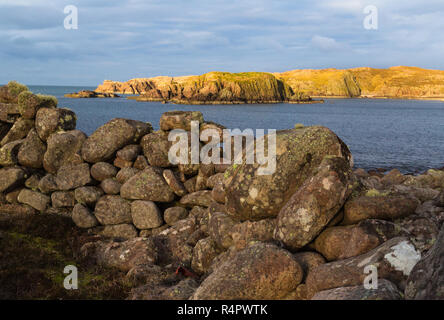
{"points": [[381, 133]]}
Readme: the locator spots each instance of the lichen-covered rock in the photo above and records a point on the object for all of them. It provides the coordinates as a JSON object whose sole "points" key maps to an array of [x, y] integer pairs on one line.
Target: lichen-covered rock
{"points": [[174, 183], [111, 186], [242, 276], [103, 170], [385, 207], [11, 178], [179, 120], [62, 199], [32, 151], [155, 148], [63, 149], [146, 215], [111, 210], [29, 103], [120, 231], [342, 242], [19, 130], [122, 255], [88, 195], [393, 259], [34, 199], [203, 255], [174, 214], [9, 153], [111, 137], [50, 120], [147, 185], [298, 153], [385, 291], [70, 177], [315, 204], [426, 281], [198, 198], [82, 217]]}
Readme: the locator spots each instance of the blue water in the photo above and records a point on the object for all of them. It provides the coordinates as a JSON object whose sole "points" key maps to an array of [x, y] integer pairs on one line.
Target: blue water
{"points": [[403, 134]]}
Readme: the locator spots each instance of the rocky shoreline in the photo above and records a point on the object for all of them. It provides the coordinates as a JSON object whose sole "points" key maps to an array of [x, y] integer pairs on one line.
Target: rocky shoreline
{"points": [[311, 230]]}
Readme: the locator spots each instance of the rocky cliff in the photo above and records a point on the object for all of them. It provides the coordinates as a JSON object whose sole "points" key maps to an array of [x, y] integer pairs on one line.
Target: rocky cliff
{"points": [[209, 88], [296, 85], [395, 82]]}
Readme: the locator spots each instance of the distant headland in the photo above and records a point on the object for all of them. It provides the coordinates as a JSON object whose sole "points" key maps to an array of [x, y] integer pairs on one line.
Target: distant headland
{"points": [[297, 86]]}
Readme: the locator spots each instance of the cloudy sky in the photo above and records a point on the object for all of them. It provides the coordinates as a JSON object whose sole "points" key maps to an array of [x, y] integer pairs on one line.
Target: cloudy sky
{"points": [[124, 39]]}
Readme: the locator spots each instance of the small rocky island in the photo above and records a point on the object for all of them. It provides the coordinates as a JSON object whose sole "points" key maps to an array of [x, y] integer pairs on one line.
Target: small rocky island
{"points": [[142, 228], [90, 94]]}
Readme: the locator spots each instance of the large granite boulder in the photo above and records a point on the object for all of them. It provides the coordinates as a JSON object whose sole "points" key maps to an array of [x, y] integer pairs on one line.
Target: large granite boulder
{"points": [[63, 148], [298, 153], [50, 120], [111, 137], [259, 272], [315, 204], [147, 185], [393, 259]]}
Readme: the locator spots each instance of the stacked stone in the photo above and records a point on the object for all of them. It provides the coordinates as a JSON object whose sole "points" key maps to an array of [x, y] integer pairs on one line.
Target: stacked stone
{"points": [[118, 182], [308, 230]]}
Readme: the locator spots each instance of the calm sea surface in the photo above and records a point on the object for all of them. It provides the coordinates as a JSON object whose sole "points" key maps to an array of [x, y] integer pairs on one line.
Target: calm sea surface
{"points": [[403, 134]]}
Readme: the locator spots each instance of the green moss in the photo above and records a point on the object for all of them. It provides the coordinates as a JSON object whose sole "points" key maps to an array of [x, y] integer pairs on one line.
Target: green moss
{"points": [[47, 101], [376, 193], [16, 88], [299, 126]]}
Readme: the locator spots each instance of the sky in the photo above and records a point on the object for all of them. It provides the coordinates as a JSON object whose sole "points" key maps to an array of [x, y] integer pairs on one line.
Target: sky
{"points": [[124, 39]]}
